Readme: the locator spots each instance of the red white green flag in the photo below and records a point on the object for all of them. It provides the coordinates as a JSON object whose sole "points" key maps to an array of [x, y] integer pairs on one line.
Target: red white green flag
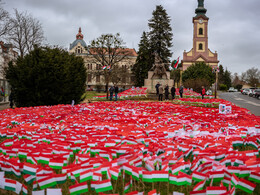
{"points": [[10, 184], [199, 186], [246, 186], [128, 186], [214, 190], [78, 188], [47, 182], [103, 186]]}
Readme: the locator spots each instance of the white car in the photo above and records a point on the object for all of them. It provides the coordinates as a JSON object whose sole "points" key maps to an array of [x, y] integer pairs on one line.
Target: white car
{"points": [[209, 92], [232, 89]]}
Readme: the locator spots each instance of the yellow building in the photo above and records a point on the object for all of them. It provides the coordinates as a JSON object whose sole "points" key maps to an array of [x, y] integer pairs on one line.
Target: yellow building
{"points": [[94, 79], [200, 51]]}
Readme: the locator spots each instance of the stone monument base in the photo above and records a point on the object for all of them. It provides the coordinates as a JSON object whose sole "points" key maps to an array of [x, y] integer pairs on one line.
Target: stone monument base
{"points": [[151, 82]]}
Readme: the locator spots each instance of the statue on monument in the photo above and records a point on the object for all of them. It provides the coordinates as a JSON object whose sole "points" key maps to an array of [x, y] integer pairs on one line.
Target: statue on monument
{"points": [[200, 3], [158, 68]]}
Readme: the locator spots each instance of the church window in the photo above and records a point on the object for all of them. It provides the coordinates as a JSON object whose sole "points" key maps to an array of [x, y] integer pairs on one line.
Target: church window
{"points": [[200, 31], [200, 46], [97, 78], [89, 77], [79, 49]]}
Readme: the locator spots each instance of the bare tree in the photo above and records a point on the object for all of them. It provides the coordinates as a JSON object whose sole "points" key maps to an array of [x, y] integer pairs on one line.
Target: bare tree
{"points": [[252, 76], [108, 51], [26, 32], [5, 25]]}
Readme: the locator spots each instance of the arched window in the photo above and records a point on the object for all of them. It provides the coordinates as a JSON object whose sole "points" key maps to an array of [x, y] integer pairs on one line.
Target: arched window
{"points": [[79, 50], [200, 31], [200, 46]]}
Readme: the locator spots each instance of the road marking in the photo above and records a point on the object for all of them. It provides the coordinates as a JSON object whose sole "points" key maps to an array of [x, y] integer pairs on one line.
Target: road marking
{"points": [[253, 103], [238, 99]]}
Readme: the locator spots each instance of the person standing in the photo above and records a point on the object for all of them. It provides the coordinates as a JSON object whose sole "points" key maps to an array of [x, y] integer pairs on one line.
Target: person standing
{"points": [[111, 90], [116, 92], [181, 91], [173, 90], [166, 91], [160, 93], [203, 92], [157, 88]]}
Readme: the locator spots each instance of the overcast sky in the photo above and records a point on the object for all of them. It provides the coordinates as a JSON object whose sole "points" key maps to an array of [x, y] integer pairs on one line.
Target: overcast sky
{"points": [[234, 25]]}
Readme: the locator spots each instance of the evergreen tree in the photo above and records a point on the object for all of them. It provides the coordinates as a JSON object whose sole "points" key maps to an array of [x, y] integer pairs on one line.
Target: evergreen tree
{"points": [[198, 75], [227, 78], [143, 62], [160, 34], [47, 76], [221, 75]]}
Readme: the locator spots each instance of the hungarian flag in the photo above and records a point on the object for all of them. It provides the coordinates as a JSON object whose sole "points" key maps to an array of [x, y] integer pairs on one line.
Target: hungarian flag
{"points": [[226, 181], [29, 168], [78, 188], [199, 186], [10, 184], [47, 182], [216, 190], [197, 176], [86, 175], [24, 189], [104, 67], [103, 186], [175, 63], [56, 163], [160, 176], [29, 178], [128, 186], [114, 172], [60, 178], [255, 177], [246, 186], [147, 176], [234, 180]]}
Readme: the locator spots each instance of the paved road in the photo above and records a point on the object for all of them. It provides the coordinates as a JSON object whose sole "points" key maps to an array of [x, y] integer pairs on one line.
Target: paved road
{"points": [[244, 101]]}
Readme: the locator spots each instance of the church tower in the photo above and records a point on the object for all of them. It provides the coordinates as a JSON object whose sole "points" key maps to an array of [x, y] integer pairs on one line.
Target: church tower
{"points": [[200, 51]]}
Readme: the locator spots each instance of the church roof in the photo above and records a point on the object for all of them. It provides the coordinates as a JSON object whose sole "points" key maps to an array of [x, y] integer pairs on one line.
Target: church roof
{"points": [[79, 39]]}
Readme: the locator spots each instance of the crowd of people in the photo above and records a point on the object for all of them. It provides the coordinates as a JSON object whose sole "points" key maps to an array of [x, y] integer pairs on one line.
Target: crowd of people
{"points": [[160, 90]]}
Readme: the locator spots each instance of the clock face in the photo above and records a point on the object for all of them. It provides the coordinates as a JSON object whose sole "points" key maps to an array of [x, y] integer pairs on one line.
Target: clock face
{"points": [[200, 21]]}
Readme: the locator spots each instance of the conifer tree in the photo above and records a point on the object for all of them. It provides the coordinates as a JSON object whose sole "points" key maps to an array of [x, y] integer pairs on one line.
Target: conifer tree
{"points": [[143, 62], [160, 34]]}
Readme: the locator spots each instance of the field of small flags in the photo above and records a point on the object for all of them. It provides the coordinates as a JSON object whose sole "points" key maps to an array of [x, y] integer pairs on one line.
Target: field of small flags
{"points": [[138, 93], [129, 147]]}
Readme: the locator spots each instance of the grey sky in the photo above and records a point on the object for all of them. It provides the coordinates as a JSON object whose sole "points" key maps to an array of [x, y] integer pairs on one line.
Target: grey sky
{"points": [[233, 24]]}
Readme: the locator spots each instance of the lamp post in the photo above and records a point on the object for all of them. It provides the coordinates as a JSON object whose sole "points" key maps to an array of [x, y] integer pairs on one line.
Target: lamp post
{"points": [[216, 82]]}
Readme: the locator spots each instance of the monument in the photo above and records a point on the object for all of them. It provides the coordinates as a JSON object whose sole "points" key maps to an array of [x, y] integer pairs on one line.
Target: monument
{"points": [[157, 74]]}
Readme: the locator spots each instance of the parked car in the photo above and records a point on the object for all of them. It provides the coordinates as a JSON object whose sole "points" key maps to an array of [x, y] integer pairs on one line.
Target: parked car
{"points": [[242, 90], [246, 91], [209, 92], [232, 89], [257, 94]]}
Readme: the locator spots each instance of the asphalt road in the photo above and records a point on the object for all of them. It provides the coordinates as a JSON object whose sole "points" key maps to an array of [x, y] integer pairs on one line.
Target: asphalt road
{"points": [[244, 101]]}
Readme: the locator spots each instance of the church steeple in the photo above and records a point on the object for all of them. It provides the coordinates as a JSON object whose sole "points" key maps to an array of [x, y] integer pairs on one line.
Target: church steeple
{"points": [[79, 35], [200, 10]]}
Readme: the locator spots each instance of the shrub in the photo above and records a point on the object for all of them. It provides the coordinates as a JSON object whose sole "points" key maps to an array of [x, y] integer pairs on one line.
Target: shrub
{"points": [[223, 87], [47, 76]]}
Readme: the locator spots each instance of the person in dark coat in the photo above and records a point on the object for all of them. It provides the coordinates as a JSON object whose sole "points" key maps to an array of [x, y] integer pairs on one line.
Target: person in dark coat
{"points": [[116, 92], [111, 90], [181, 91], [160, 93], [166, 91], [157, 88], [173, 90]]}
